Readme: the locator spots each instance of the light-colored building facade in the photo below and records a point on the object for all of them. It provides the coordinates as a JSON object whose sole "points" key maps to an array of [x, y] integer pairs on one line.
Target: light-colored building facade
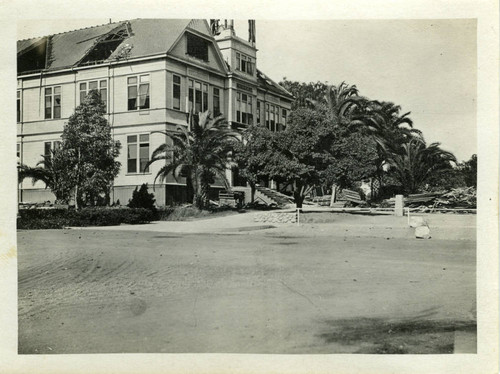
{"points": [[151, 73]]}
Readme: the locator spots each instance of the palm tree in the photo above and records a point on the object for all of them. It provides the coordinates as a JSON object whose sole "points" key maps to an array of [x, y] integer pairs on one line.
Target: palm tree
{"points": [[389, 129], [339, 101], [49, 171], [199, 152], [414, 162]]}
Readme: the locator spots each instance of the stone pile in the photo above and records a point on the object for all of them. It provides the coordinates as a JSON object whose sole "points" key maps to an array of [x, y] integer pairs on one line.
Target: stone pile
{"points": [[422, 230]]}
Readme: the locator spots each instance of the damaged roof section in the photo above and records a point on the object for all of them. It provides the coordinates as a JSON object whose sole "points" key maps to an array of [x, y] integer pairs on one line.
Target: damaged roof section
{"points": [[105, 45], [268, 84], [32, 54], [98, 44]]}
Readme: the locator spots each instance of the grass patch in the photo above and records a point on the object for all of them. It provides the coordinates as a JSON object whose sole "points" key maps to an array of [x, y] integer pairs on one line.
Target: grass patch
{"points": [[397, 337]]}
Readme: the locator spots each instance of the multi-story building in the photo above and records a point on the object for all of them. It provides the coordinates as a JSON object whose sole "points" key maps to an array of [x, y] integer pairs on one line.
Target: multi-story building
{"points": [[150, 74]]}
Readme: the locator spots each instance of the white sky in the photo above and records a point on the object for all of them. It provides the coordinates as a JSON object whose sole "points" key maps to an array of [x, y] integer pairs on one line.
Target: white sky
{"points": [[426, 66]]}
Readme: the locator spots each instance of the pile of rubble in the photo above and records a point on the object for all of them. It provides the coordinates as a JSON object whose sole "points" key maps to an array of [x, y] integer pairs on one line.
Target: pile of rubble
{"points": [[458, 198]]}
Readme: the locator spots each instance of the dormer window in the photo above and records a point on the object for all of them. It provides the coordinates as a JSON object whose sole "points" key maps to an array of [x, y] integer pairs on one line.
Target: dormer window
{"points": [[244, 63], [197, 47]]}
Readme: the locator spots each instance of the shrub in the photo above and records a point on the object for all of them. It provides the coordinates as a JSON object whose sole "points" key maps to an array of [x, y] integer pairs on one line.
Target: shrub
{"points": [[36, 219], [142, 199]]}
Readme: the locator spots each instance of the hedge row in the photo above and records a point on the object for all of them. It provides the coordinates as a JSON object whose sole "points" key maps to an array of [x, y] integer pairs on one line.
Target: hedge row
{"points": [[36, 219]]}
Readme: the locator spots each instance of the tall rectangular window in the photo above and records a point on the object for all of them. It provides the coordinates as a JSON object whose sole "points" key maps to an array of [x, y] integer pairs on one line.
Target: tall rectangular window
{"points": [[238, 106], [137, 153], [143, 152], [205, 97], [103, 91], [258, 112], [197, 96], [244, 108], [273, 118], [216, 102], [53, 102], [101, 86], [176, 89], [283, 117], [18, 150], [244, 63], [18, 106], [132, 154], [48, 147], [191, 95], [267, 117], [138, 92]]}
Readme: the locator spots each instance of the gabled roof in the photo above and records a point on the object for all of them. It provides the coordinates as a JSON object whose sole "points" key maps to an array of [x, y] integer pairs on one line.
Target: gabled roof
{"points": [[268, 84], [146, 37], [153, 36]]}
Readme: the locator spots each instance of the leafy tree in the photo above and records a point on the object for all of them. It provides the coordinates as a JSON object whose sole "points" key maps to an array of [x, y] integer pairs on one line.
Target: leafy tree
{"points": [[200, 153], [316, 150], [87, 154], [85, 164], [141, 198], [297, 157], [252, 153], [469, 171], [350, 158], [414, 162], [463, 174], [304, 93]]}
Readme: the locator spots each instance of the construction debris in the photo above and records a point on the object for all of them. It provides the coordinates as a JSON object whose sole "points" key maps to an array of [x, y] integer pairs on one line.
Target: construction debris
{"points": [[458, 198]]}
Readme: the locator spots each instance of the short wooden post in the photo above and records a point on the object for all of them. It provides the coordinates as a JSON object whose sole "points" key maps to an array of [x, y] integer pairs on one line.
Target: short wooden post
{"points": [[398, 206], [333, 198]]}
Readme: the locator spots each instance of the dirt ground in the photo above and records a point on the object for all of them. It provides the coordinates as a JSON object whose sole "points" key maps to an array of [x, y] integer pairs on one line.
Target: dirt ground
{"points": [[266, 291]]}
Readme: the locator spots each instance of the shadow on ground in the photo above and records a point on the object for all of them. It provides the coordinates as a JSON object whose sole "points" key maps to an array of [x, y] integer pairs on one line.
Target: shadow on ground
{"points": [[409, 336]]}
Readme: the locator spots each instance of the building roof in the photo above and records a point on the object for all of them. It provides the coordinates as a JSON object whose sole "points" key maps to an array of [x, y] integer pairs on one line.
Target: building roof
{"points": [[268, 84], [144, 37], [136, 38]]}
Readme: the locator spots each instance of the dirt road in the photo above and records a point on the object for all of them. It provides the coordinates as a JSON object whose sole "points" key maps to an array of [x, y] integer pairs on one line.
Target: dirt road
{"points": [[86, 291]]}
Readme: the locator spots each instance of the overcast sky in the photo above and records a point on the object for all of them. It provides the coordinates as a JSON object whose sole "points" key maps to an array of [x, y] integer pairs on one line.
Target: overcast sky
{"points": [[428, 67]]}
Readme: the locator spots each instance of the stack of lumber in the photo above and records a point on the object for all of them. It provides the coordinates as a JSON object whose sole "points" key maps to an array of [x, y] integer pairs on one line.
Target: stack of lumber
{"points": [[349, 195], [457, 198], [227, 198], [422, 198]]}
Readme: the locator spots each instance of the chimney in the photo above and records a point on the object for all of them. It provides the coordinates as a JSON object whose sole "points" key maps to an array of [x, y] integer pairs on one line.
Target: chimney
{"points": [[251, 31]]}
